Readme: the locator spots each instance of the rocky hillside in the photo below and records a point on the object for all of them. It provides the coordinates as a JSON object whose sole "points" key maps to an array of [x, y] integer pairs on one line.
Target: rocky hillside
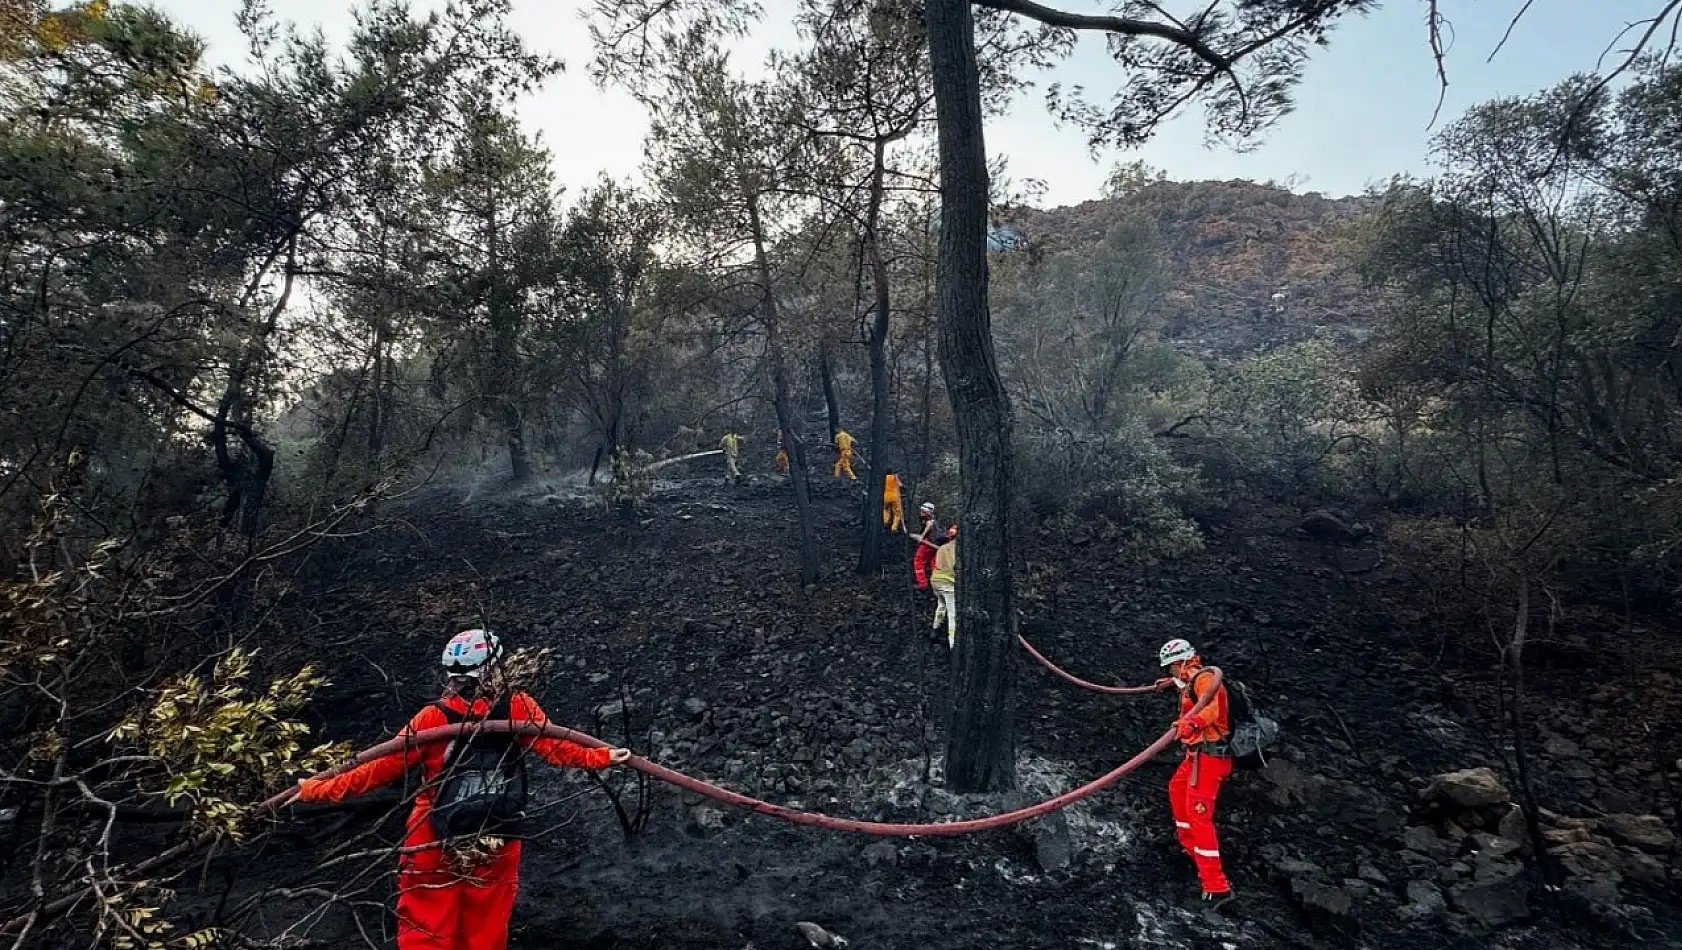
{"points": [[1232, 245]]}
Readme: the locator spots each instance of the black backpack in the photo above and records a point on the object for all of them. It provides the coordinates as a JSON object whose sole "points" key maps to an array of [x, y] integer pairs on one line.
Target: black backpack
{"points": [[482, 786], [1251, 733]]}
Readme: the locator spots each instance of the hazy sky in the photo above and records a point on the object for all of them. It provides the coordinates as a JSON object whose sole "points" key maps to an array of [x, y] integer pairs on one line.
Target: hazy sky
{"points": [[1362, 114]]}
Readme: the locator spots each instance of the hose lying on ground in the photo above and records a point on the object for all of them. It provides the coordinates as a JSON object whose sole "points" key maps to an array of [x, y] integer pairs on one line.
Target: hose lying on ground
{"points": [[1083, 684], [403, 744]]}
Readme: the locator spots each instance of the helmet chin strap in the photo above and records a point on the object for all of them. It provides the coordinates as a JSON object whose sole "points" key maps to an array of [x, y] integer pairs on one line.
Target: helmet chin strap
{"points": [[1178, 669]]}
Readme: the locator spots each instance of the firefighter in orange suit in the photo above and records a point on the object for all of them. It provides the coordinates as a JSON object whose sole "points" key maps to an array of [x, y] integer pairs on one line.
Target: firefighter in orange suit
{"points": [[446, 902], [1204, 727]]}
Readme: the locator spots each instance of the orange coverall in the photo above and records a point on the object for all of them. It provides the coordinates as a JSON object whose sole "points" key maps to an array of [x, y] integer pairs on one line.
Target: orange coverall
{"points": [[439, 907], [1196, 783], [893, 514]]}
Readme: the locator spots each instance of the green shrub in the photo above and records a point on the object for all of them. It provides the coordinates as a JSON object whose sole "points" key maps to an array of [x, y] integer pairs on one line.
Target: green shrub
{"points": [[1123, 490]]}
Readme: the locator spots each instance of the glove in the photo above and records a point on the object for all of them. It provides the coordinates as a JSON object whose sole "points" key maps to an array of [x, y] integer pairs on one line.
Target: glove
{"points": [[312, 790], [1188, 729], [1164, 684]]}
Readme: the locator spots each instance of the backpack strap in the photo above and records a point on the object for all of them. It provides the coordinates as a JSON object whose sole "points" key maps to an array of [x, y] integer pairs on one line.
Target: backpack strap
{"points": [[1191, 686], [450, 715], [1214, 746]]}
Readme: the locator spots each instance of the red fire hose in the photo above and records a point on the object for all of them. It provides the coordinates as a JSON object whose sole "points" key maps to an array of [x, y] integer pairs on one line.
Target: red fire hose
{"points": [[1083, 684], [881, 828], [403, 744]]}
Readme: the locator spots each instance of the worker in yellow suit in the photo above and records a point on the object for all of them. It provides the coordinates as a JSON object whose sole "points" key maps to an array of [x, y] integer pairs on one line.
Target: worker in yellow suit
{"points": [[893, 510], [782, 454], [732, 446], [844, 454]]}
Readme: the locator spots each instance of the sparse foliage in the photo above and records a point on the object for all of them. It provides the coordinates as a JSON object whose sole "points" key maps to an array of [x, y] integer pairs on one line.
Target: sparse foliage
{"points": [[1527, 353], [220, 746]]}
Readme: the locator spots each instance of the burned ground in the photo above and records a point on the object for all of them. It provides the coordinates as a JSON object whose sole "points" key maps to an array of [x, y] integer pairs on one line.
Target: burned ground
{"points": [[684, 629]]}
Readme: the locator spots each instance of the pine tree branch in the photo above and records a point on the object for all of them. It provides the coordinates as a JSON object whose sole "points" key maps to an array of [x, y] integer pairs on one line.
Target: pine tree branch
{"points": [[1126, 26]]}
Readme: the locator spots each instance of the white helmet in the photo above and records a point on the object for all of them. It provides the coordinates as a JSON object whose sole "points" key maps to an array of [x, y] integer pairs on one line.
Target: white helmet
{"points": [[1175, 651], [469, 652], [927, 508]]}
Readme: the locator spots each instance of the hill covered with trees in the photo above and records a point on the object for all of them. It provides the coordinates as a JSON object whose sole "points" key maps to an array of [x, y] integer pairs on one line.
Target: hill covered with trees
{"points": [[1226, 249]]}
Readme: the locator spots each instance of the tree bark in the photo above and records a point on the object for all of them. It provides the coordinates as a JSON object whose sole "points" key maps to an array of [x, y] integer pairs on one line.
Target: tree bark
{"points": [[826, 377], [615, 372], [503, 306], [505, 358], [1521, 753], [781, 402], [247, 478], [514, 427], [352, 405], [981, 737], [925, 419], [608, 445], [378, 407], [870, 547]]}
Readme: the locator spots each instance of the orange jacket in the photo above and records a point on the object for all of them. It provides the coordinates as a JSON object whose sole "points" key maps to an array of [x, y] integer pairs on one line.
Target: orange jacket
{"points": [[383, 771], [1199, 681], [890, 490]]}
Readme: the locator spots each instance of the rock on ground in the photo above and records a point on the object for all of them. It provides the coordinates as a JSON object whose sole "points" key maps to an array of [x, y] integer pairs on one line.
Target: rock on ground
{"points": [[1647, 832], [1468, 788]]}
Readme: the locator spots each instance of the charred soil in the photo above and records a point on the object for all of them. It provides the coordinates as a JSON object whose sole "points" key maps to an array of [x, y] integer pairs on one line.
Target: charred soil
{"points": [[683, 632]]}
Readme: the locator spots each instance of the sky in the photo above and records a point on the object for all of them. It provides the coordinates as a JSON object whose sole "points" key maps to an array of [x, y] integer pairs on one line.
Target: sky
{"points": [[1363, 111]]}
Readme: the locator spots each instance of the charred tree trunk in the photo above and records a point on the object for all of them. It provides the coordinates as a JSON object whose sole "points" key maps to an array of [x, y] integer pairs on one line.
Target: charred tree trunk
{"points": [[246, 475], [606, 447], [504, 357], [612, 426], [981, 737], [384, 378], [870, 550], [352, 408], [826, 377], [378, 407], [514, 430], [1521, 751], [925, 418], [596, 462], [504, 317], [782, 402]]}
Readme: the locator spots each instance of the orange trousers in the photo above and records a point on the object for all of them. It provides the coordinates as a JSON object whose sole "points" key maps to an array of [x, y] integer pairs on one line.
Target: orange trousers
{"points": [[1193, 804], [442, 909]]}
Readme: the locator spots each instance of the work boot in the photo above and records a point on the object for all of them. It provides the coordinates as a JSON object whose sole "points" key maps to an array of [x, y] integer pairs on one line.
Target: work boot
{"points": [[1213, 901]]}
